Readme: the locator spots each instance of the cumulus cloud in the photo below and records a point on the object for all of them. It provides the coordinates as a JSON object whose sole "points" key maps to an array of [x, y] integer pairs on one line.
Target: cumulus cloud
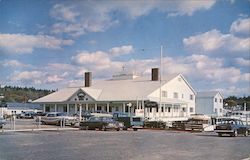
{"points": [[214, 41], [241, 26], [36, 77], [22, 43], [243, 62], [96, 16], [123, 50], [62, 12], [13, 63]]}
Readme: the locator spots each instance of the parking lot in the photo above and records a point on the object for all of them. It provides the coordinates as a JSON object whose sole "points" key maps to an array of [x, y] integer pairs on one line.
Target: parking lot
{"points": [[122, 145]]}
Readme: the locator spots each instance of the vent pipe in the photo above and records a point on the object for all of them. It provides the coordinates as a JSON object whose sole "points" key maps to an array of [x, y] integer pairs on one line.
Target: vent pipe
{"points": [[155, 74], [88, 79]]}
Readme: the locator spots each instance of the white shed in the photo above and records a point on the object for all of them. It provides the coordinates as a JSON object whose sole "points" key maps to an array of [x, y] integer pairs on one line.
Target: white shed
{"points": [[209, 103]]}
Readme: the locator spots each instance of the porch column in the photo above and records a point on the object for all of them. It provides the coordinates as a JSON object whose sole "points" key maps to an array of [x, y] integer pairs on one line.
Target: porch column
{"points": [[44, 108], [95, 107], [108, 107], [172, 110], [124, 105], [164, 110], [87, 107], [67, 108], [80, 114], [55, 108], [75, 108]]}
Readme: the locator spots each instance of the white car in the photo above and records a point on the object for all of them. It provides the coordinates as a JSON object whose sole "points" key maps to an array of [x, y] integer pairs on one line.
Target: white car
{"points": [[58, 118], [2, 122]]}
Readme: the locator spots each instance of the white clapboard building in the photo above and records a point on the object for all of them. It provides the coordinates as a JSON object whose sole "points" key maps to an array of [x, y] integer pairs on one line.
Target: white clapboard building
{"points": [[209, 103], [170, 99]]}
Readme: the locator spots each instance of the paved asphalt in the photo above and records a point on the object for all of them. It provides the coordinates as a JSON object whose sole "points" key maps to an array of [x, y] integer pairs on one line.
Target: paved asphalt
{"points": [[122, 145]]}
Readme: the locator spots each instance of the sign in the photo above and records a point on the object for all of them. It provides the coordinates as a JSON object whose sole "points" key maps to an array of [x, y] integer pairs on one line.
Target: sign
{"points": [[81, 95], [151, 104]]}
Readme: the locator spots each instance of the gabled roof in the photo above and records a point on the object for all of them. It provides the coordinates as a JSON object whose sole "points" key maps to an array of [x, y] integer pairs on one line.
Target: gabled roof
{"points": [[110, 90], [208, 94], [58, 96]]}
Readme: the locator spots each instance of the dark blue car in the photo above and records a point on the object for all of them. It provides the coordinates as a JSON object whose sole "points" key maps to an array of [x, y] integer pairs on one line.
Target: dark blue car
{"points": [[230, 126]]}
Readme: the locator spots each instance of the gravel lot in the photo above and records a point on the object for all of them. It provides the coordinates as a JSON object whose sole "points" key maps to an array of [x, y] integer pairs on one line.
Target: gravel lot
{"points": [[122, 145]]}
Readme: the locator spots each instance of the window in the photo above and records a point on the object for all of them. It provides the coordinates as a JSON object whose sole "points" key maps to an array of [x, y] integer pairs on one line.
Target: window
{"points": [[150, 110], [126, 108], [191, 109], [64, 108], [215, 99], [175, 95], [215, 110], [220, 100], [99, 108], [191, 97], [220, 110], [169, 109], [47, 109], [162, 109], [184, 109], [116, 109], [182, 96], [157, 109], [164, 94]]}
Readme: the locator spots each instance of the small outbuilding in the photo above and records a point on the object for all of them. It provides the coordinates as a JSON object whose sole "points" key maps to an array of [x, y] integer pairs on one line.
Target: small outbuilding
{"points": [[209, 103]]}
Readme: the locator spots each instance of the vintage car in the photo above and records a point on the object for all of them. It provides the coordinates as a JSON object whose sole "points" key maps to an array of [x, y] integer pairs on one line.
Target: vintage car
{"points": [[58, 118], [101, 123], [129, 122], [230, 126], [2, 122]]}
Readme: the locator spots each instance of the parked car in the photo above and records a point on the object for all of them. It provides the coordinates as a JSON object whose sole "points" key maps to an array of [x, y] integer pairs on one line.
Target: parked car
{"points": [[101, 123], [2, 122], [58, 118], [129, 122], [26, 115], [230, 126]]}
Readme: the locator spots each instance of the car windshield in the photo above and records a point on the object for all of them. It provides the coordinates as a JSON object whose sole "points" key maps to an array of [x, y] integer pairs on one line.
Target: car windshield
{"points": [[95, 119], [137, 119], [60, 114], [228, 122]]}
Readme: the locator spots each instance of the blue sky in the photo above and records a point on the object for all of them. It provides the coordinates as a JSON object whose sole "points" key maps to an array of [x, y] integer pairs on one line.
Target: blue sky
{"points": [[50, 44]]}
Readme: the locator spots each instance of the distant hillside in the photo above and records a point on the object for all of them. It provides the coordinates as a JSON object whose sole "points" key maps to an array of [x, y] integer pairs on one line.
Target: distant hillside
{"points": [[22, 94]]}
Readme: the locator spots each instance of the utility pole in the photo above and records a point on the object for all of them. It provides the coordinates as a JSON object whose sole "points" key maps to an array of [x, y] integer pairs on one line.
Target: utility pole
{"points": [[159, 108]]}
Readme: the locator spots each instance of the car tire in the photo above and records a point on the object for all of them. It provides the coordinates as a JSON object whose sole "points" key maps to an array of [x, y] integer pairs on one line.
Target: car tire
{"points": [[43, 122], [104, 128], [135, 129], [246, 133], [220, 134], [235, 134], [118, 129]]}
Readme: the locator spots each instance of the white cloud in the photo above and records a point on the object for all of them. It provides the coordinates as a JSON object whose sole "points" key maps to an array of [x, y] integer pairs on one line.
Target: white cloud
{"points": [[62, 12], [96, 59], [243, 62], [241, 26], [83, 17], [122, 50], [22, 43], [54, 79], [13, 63], [214, 41], [28, 76]]}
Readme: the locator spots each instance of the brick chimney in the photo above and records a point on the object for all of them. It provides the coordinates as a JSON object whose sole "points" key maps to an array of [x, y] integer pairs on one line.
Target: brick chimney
{"points": [[155, 74], [88, 79]]}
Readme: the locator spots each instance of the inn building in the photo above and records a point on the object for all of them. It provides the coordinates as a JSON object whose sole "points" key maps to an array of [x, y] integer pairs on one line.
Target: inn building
{"points": [[170, 98]]}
